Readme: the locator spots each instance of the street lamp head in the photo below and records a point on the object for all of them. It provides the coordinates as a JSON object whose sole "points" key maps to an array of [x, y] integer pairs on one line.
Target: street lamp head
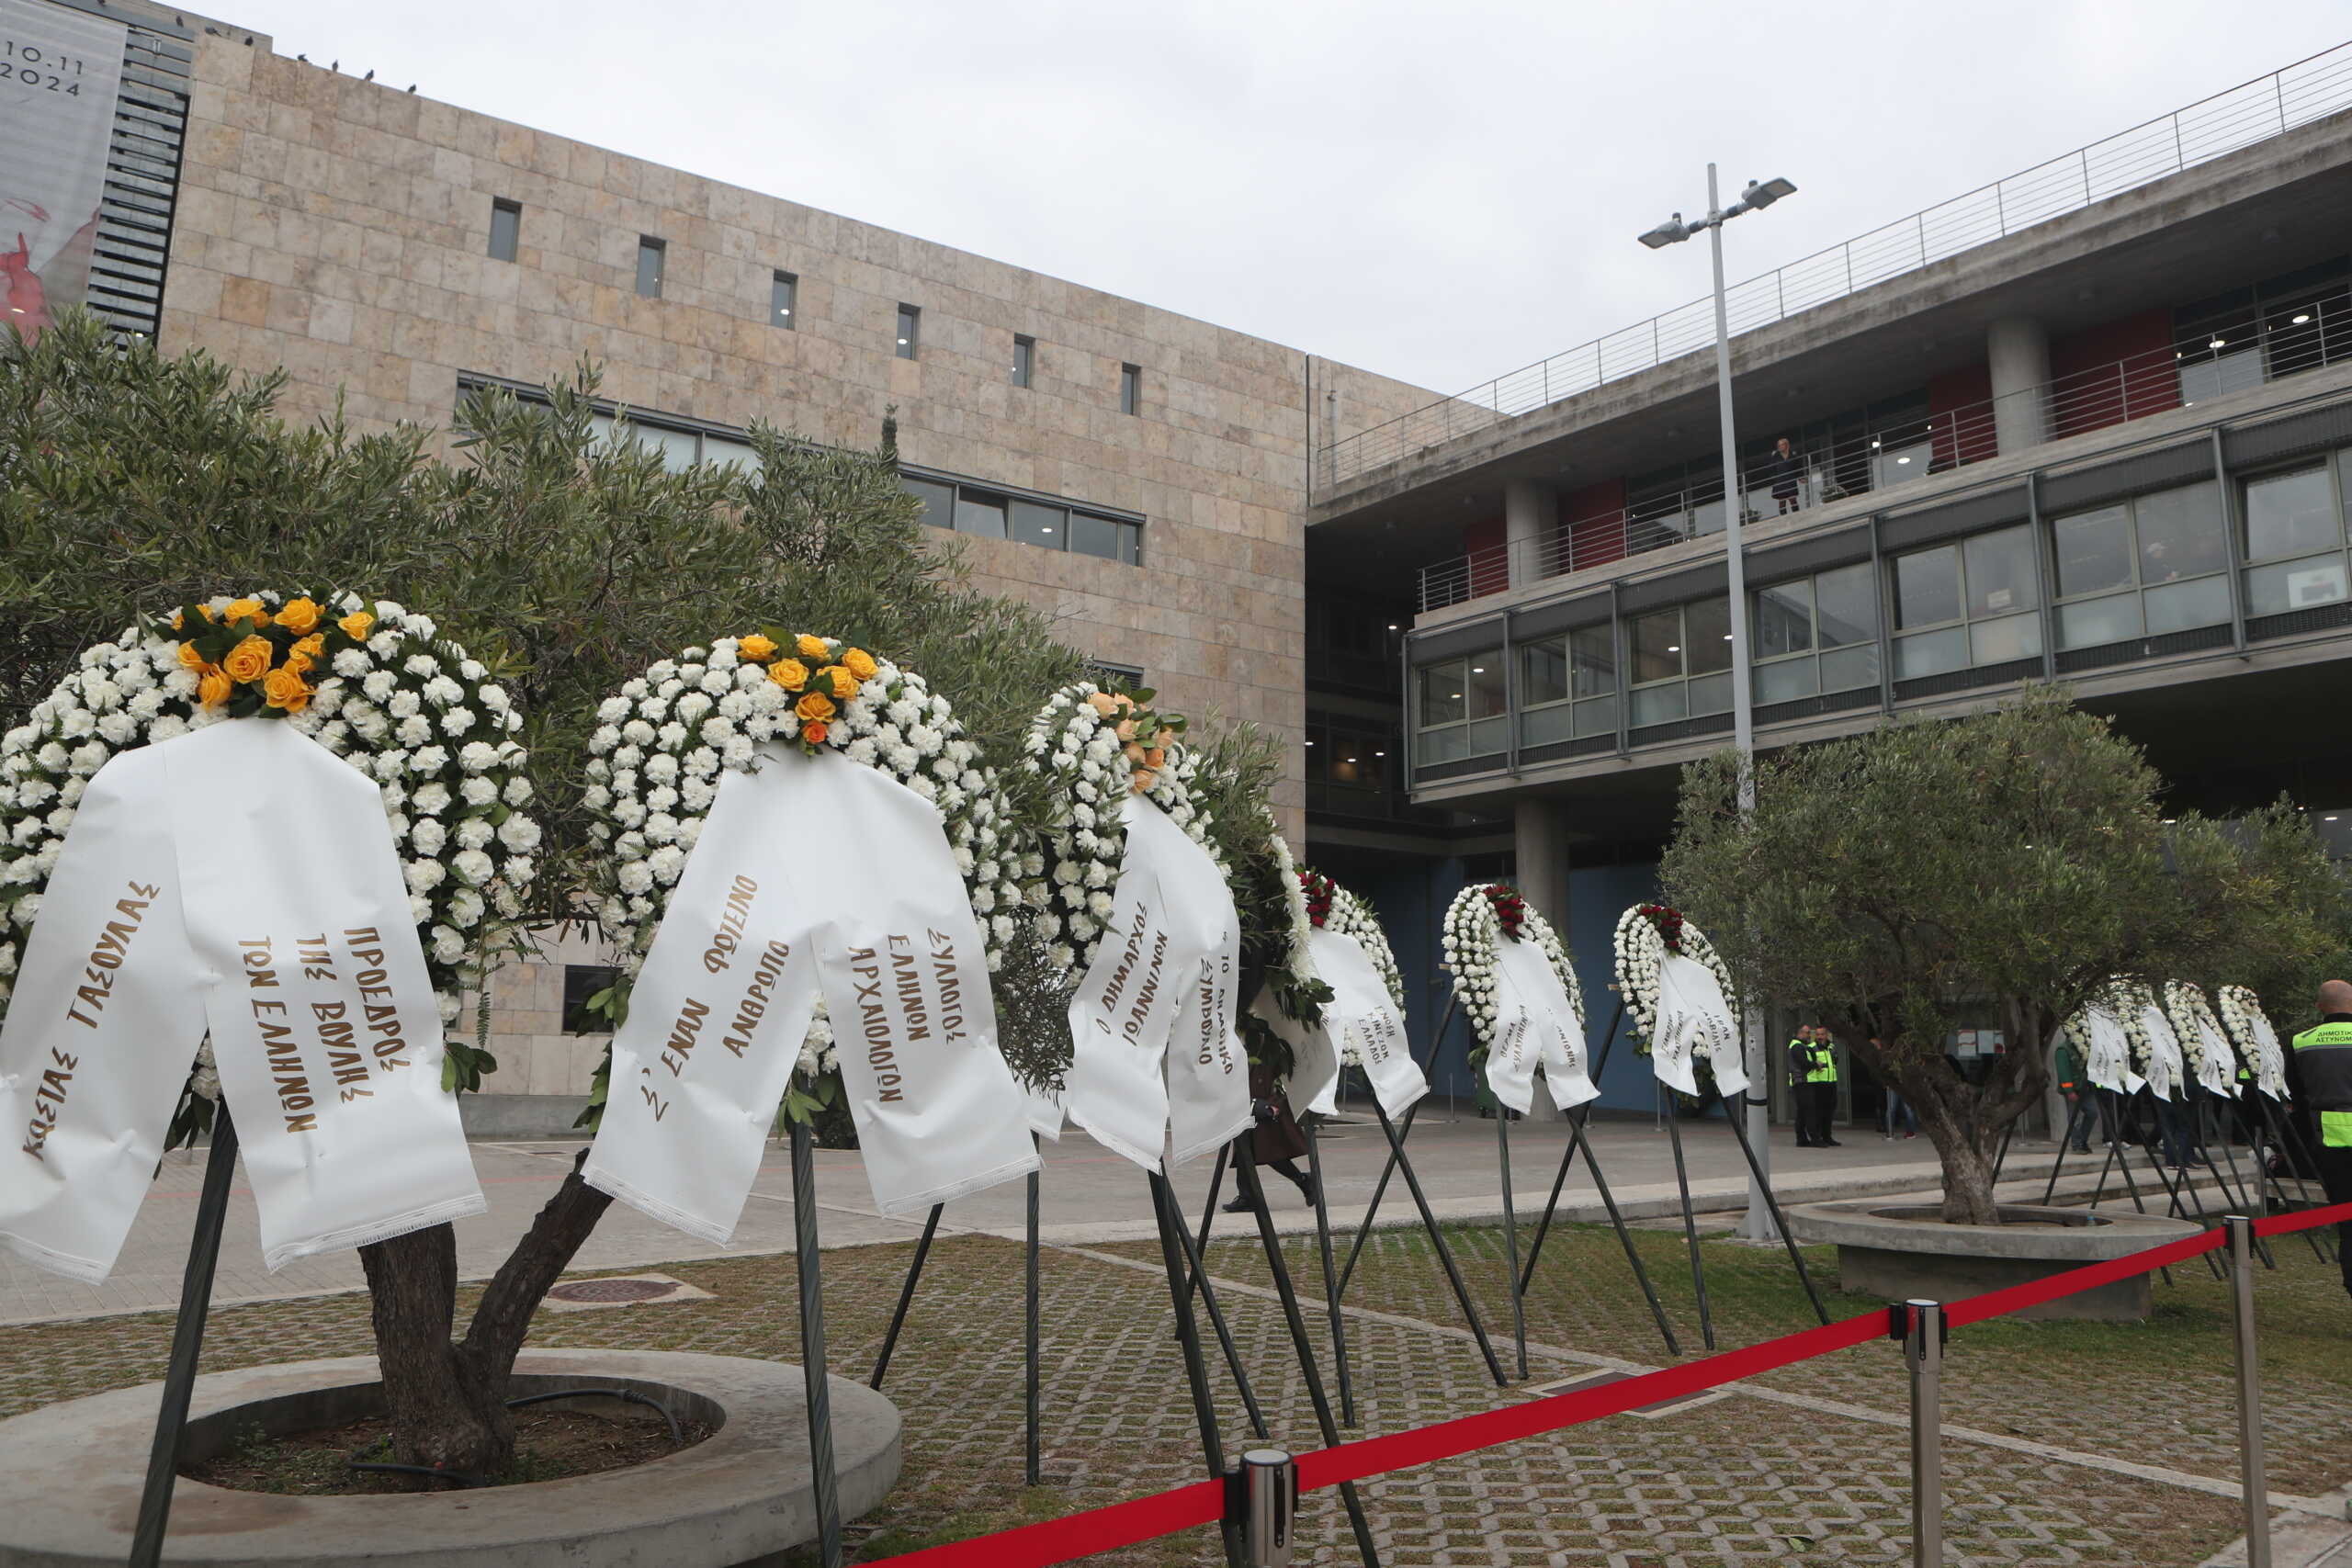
{"points": [[1765, 193], [1667, 233]]}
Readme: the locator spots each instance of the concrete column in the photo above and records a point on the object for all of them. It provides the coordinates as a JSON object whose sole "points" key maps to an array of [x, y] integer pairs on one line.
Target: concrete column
{"points": [[1541, 854], [2017, 349], [1530, 513]]}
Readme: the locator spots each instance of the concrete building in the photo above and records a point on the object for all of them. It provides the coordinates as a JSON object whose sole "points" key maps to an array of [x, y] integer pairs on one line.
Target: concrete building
{"points": [[2084, 423], [2093, 424], [1140, 475]]}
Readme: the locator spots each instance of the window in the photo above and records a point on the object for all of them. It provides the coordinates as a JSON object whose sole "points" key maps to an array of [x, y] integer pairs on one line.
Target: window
{"points": [[681, 447], [784, 292], [1966, 604], [910, 330], [1130, 389], [2297, 515], [653, 255], [582, 981], [505, 229], [1113, 677], [1681, 662], [1024, 360], [1351, 760], [1459, 707], [2144, 566], [1818, 634], [1567, 686], [1033, 520]]}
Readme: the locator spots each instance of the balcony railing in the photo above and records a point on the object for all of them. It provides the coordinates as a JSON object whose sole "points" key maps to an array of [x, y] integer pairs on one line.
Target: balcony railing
{"points": [[2270, 106], [1898, 452]]}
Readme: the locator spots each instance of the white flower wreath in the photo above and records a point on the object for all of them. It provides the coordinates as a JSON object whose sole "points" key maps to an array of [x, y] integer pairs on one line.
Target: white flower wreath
{"points": [[378, 689], [660, 744], [1350, 916], [1640, 949], [2249, 1029], [1076, 739], [1474, 925], [2185, 1008], [2130, 1000]]}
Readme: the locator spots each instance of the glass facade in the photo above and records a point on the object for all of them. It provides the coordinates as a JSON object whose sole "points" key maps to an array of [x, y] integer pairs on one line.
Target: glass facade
{"points": [[976, 509], [1816, 634], [2153, 564], [1968, 604], [1681, 662], [1459, 708], [1567, 686], [2294, 537]]}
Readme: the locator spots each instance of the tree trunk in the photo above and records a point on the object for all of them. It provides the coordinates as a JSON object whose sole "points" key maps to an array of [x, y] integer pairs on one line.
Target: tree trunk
{"points": [[447, 1399], [1967, 1162]]}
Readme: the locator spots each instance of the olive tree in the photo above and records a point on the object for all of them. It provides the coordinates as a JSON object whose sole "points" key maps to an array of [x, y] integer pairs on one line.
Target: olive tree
{"points": [[566, 561], [2016, 860]]}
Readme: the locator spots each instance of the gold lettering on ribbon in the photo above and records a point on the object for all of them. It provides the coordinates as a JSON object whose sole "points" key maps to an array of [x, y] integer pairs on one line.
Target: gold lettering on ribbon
{"points": [[107, 955], [278, 1041]]}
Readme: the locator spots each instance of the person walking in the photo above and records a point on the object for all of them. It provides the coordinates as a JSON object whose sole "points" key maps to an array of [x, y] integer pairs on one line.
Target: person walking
{"points": [[1276, 1142], [2319, 1082], [2083, 1105], [1784, 471]]}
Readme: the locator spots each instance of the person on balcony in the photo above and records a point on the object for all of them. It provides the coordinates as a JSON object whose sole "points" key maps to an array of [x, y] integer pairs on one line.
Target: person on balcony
{"points": [[1784, 471]]}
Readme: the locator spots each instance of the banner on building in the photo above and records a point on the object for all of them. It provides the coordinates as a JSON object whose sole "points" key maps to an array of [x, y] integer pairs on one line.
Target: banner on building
{"points": [[60, 73]]}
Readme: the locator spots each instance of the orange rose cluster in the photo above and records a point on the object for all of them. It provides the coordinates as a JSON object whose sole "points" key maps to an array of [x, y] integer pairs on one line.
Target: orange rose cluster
{"points": [[819, 674], [250, 658], [1144, 736]]}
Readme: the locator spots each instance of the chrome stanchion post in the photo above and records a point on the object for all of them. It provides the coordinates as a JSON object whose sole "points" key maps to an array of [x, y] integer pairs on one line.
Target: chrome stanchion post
{"points": [[2257, 1491], [1924, 1349], [1262, 1498]]}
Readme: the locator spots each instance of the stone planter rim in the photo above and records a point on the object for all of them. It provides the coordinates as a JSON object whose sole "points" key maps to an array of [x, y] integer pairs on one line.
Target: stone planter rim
{"points": [[1856, 1221], [70, 1477]]}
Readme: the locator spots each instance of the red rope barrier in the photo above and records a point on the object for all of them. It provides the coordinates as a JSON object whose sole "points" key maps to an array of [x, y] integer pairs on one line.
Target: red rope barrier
{"points": [[1143, 1519]]}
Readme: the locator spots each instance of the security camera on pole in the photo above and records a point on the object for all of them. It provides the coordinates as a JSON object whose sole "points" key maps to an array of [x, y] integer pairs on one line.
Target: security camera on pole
{"points": [[1758, 195]]}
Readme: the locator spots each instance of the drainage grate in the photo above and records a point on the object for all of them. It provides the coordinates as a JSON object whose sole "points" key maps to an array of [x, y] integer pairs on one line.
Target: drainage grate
{"points": [[1650, 1412]]}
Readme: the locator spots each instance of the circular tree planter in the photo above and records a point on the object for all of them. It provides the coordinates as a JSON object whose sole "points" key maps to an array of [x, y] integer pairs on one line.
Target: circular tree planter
{"points": [[1903, 1252], [70, 1475]]}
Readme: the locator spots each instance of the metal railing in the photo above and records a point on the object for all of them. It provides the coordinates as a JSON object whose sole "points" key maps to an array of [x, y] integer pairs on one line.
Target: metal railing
{"points": [[1900, 451], [2270, 106]]}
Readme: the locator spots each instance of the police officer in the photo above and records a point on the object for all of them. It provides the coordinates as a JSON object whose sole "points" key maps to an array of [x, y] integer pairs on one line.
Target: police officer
{"points": [[1813, 1076], [2319, 1078]]}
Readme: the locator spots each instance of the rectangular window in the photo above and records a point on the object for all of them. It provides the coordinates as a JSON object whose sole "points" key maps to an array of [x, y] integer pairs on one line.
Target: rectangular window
{"points": [[1024, 360], [582, 981], [1980, 595], [1458, 706], [505, 229], [1113, 538], [1818, 634], [1130, 389], [938, 501], [784, 293], [2291, 514], [977, 512], [652, 256], [1036, 524], [2143, 567], [910, 330]]}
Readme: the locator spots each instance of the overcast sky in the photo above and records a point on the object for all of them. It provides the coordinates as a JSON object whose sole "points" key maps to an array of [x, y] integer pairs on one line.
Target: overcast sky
{"points": [[1438, 192]]}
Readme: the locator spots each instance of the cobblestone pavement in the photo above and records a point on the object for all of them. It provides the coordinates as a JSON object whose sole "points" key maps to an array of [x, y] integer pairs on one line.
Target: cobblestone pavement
{"points": [[2067, 1443]]}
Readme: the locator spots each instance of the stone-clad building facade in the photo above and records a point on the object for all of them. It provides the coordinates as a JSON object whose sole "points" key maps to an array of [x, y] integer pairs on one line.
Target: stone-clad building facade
{"points": [[386, 249]]}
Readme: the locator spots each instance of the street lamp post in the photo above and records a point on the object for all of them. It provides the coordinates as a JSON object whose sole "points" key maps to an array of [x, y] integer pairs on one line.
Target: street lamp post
{"points": [[1758, 195]]}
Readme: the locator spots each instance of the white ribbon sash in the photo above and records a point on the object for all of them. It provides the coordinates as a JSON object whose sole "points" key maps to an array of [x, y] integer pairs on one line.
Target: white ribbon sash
{"points": [[2217, 1072], [1155, 1062], [2166, 1072], [2106, 1050], [1314, 1064], [811, 873], [1365, 1015], [238, 878], [1045, 1112], [1694, 1016], [2269, 1060], [1530, 997]]}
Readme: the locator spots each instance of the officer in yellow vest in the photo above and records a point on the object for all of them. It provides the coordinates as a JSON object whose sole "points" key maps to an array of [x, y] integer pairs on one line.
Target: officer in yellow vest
{"points": [[1813, 1074], [2319, 1078]]}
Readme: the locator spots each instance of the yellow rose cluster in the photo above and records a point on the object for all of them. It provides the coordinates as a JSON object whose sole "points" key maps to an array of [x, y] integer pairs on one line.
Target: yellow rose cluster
{"points": [[249, 659], [820, 672]]}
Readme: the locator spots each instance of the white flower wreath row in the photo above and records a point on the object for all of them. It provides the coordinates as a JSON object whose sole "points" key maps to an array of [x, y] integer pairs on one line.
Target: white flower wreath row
{"points": [[1640, 953], [2185, 1009], [2131, 1000], [1076, 739], [662, 743], [1472, 934], [2247, 1024], [415, 713]]}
